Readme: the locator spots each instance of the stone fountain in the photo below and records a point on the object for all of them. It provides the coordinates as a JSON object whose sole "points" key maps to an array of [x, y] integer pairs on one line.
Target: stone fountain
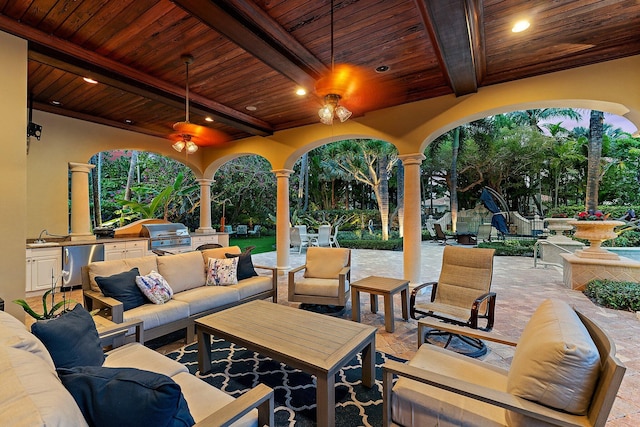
{"points": [[595, 262]]}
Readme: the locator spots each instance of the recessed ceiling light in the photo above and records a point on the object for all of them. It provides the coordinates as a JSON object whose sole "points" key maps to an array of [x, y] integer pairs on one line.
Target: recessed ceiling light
{"points": [[128, 121], [208, 119], [520, 26], [382, 69], [251, 108], [90, 80], [56, 103], [301, 91]]}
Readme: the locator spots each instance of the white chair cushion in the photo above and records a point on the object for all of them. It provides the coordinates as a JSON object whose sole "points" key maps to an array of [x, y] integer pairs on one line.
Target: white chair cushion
{"points": [[253, 285], [208, 297], [318, 287], [326, 263], [32, 394], [556, 363], [153, 315], [109, 268], [417, 404], [182, 271]]}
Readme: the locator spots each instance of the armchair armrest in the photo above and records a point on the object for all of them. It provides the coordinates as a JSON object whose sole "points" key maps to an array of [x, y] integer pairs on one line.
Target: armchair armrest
{"points": [[472, 391], [414, 294], [260, 397], [109, 331], [96, 301], [490, 298], [463, 330], [274, 279]]}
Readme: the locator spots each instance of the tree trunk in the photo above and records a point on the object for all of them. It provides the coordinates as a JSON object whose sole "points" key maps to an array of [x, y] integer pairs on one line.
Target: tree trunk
{"points": [[131, 175], [593, 160], [400, 198], [382, 195], [455, 147]]}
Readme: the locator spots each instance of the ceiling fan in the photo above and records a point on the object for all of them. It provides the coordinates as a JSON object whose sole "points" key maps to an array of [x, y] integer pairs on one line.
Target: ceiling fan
{"points": [[348, 88], [189, 136]]}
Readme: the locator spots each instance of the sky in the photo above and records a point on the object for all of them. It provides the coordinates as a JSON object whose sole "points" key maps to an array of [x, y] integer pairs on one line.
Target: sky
{"points": [[612, 119]]}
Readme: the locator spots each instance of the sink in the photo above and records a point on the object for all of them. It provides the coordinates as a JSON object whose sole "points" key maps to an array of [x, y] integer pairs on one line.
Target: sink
{"points": [[42, 245]]}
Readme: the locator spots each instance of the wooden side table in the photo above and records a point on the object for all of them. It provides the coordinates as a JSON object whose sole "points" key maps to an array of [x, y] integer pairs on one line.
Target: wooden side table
{"points": [[385, 286]]}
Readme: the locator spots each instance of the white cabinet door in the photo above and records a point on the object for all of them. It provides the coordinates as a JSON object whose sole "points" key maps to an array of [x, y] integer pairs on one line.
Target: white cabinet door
{"points": [[123, 250], [113, 251], [42, 265], [203, 240]]}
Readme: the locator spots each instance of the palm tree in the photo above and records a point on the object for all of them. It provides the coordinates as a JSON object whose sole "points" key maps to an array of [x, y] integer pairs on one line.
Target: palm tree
{"points": [[596, 120], [370, 162]]}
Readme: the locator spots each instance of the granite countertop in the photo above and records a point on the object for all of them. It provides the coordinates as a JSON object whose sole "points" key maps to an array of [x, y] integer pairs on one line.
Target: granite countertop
{"points": [[53, 242]]}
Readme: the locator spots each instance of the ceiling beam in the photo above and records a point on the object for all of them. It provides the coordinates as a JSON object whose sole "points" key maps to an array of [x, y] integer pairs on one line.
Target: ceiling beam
{"points": [[453, 26], [71, 58], [248, 26]]}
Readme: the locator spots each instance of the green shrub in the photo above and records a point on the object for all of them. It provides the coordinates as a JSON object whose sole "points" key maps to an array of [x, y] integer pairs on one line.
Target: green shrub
{"points": [[389, 245], [616, 295], [510, 247]]}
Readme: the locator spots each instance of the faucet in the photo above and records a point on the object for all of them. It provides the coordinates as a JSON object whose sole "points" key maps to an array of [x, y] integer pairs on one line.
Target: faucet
{"points": [[40, 239]]}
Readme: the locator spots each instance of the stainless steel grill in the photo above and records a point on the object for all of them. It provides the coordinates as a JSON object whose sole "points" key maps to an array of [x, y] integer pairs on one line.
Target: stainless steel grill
{"points": [[167, 236]]}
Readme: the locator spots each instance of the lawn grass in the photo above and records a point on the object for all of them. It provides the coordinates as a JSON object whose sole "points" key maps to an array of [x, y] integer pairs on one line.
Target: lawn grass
{"points": [[262, 244]]}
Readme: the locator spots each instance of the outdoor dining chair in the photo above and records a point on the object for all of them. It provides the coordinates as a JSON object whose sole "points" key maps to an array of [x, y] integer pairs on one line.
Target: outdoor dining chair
{"points": [[242, 231], [440, 235], [296, 240], [324, 236]]}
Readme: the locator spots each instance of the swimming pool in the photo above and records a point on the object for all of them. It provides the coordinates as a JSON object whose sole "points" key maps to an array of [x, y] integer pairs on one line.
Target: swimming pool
{"points": [[631, 253]]}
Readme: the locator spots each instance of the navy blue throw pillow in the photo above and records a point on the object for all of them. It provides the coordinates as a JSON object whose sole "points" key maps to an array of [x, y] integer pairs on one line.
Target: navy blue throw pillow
{"points": [[71, 339], [123, 397], [245, 265], [122, 286]]}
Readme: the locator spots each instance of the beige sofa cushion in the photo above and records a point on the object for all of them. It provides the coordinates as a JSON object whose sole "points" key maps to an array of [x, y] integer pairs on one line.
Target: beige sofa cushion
{"points": [[418, 404], [183, 271], [109, 268], [32, 394], [556, 362], [13, 333], [326, 263], [219, 253]]}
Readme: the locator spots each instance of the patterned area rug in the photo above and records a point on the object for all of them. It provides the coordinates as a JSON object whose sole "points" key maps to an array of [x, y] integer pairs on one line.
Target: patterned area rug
{"points": [[236, 370]]}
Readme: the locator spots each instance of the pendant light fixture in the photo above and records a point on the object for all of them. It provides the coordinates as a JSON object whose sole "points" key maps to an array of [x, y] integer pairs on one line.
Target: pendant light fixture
{"points": [[331, 107], [190, 136]]}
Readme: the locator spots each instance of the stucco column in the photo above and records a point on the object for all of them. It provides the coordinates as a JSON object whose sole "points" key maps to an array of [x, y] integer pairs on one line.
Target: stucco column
{"points": [[282, 219], [80, 215], [205, 205], [412, 217]]}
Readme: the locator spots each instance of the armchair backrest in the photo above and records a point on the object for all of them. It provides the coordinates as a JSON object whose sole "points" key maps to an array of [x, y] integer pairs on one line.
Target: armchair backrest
{"points": [[326, 263], [302, 229], [242, 229], [324, 235], [465, 275]]}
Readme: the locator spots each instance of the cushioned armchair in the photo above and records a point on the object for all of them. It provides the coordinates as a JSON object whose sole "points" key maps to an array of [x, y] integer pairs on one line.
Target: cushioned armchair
{"points": [[326, 277], [564, 372], [461, 295]]}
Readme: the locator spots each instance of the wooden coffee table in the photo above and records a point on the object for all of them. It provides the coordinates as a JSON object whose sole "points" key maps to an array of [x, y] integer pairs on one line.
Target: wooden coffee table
{"points": [[316, 344], [385, 286]]}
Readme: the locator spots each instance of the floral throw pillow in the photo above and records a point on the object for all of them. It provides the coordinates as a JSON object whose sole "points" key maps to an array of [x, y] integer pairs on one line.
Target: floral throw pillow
{"points": [[155, 287], [222, 272]]}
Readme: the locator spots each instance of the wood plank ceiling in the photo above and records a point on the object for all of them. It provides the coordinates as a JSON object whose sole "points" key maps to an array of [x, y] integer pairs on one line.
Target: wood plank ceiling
{"points": [[251, 56]]}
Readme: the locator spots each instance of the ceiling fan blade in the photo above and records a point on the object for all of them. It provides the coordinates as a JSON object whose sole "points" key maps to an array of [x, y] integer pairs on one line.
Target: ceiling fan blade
{"points": [[360, 90], [202, 136]]}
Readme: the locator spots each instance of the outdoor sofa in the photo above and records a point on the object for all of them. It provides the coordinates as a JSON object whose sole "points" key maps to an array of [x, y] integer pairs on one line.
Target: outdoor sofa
{"points": [[35, 393], [186, 274]]}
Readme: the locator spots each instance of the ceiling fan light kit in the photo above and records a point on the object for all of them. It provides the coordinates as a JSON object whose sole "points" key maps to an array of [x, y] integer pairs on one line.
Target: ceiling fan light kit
{"points": [[189, 136], [331, 109]]}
